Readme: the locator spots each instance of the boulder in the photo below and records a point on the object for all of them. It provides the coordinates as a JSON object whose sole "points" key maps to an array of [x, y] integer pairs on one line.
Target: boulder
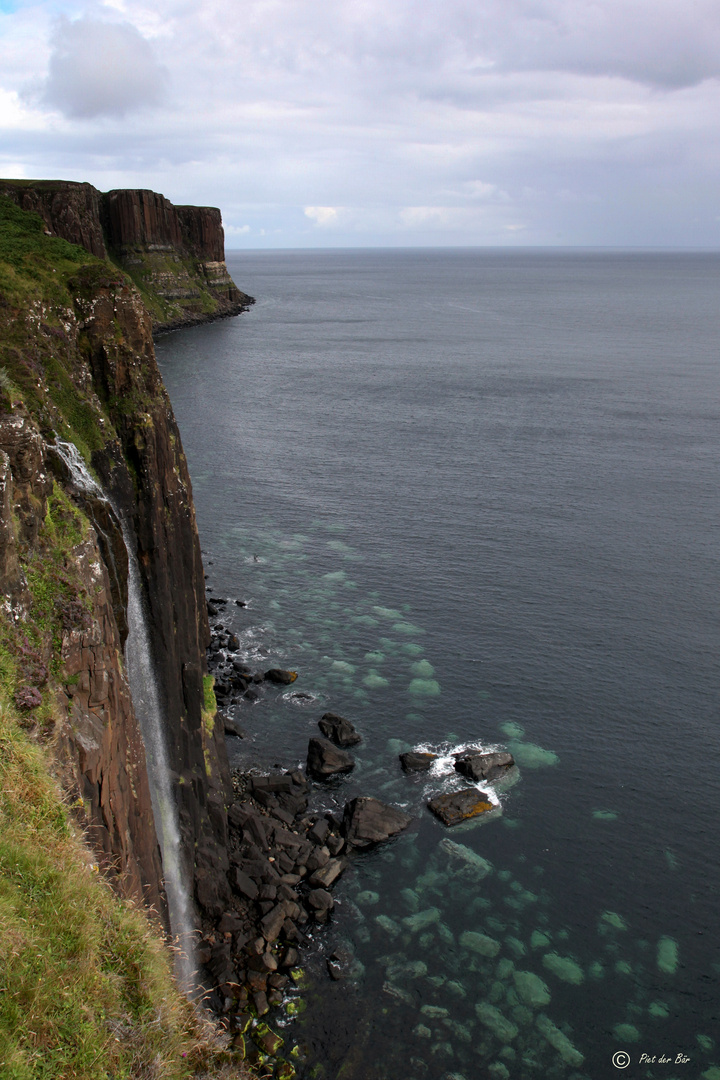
{"points": [[338, 730], [460, 806], [415, 761], [320, 900], [232, 727], [324, 759], [328, 874], [368, 821], [484, 766], [282, 678]]}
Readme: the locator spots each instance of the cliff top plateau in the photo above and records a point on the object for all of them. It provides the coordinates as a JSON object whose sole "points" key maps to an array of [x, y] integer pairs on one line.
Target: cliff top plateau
{"points": [[175, 255]]}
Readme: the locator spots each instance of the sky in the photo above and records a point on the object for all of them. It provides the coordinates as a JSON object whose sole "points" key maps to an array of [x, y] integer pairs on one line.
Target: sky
{"points": [[324, 123]]}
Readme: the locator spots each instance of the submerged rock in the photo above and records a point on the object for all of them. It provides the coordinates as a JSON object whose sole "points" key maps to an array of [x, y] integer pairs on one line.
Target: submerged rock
{"points": [[492, 1018], [339, 730], [422, 920], [479, 943], [470, 862], [484, 766], [460, 805], [667, 955], [531, 989], [324, 759], [416, 761], [565, 968], [570, 1054], [368, 821]]}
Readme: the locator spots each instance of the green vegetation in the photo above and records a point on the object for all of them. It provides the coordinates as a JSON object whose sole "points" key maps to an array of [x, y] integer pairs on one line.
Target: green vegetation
{"points": [[209, 704], [39, 278]]}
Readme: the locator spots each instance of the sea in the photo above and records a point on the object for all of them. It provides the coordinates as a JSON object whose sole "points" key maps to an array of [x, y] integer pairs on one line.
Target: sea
{"points": [[471, 497]]}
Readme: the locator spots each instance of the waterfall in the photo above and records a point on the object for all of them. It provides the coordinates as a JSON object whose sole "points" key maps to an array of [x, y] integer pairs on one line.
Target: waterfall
{"points": [[146, 702]]}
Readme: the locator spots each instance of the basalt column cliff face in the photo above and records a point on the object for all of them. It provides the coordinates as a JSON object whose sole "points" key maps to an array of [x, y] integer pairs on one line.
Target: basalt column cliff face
{"points": [[77, 366], [174, 254]]}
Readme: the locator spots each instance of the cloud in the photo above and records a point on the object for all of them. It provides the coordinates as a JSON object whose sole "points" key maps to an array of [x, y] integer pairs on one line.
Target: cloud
{"points": [[101, 69], [322, 215], [359, 121]]}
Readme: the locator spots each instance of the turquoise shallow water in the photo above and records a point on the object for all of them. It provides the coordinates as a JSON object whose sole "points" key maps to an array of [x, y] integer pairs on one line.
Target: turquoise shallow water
{"points": [[471, 497]]}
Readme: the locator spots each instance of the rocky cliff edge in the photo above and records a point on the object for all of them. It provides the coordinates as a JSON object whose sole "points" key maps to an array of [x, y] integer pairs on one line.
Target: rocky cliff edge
{"points": [[174, 254]]}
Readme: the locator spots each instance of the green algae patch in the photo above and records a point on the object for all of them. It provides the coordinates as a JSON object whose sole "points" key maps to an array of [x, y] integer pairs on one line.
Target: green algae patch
{"points": [[559, 1041], [667, 955], [605, 815], [659, 1010], [374, 681], [564, 968], [531, 989]]}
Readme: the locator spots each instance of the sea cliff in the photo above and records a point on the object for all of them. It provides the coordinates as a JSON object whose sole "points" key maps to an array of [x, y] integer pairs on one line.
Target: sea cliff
{"points": [[175, 255], [78, 376]]}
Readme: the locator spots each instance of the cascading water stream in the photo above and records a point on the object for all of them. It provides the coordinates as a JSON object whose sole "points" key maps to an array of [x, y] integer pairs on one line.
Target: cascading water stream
{"points": [[146, 701]]}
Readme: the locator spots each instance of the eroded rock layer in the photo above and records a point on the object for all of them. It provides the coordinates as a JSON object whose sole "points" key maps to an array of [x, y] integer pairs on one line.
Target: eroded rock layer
{"points": [[174, 254]]}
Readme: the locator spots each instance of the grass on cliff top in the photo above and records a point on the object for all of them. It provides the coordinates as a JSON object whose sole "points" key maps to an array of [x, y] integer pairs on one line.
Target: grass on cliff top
{"points": [[30, 260], [85, 986]]}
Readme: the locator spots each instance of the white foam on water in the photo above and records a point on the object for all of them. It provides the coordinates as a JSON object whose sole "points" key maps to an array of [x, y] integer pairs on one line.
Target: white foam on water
{"points": [[443, 768]]}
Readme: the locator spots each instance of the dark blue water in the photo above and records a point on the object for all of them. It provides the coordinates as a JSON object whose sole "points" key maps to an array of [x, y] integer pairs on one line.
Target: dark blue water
{"points": [[471, 496]]}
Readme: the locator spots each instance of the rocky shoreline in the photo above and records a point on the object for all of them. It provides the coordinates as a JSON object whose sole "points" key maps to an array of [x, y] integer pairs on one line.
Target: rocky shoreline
{"points": [[284, 860]]}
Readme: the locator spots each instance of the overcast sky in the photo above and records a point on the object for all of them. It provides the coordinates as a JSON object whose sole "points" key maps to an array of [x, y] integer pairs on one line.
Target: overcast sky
{"points": [[380, 122]]}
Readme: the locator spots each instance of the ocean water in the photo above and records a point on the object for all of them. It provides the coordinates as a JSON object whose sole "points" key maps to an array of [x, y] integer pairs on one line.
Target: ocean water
{"points": [[471, 496]]}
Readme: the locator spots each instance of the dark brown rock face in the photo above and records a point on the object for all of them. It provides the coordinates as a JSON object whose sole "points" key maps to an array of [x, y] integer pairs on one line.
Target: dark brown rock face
{"points": [[176, 254], [97, 740], [105, 349], [69, 210], [156, 499]]}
